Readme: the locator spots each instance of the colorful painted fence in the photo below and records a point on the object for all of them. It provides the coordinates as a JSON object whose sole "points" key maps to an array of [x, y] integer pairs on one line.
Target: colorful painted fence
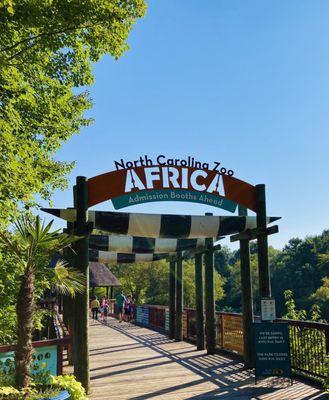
{"points": [[47, 358]]}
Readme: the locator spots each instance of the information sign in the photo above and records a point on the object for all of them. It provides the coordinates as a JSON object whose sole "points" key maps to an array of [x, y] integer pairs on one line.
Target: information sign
{"points": [[268, 309], [272, 350]]}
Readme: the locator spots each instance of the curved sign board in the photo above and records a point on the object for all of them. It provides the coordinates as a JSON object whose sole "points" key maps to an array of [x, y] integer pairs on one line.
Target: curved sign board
{"points": [[143, 184]]}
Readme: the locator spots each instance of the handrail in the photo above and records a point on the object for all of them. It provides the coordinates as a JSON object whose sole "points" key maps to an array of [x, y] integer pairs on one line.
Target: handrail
{"points": [[309, 340], [40, 343]]}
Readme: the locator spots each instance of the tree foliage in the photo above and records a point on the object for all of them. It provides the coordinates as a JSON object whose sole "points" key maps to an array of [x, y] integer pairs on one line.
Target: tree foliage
{"points": [[47, 49], [149, 282], [299, 274], [31, 247]]}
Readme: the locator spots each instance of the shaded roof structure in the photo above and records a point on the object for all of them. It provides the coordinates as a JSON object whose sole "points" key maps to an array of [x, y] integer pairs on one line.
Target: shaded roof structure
{"points": [[101, 276]]}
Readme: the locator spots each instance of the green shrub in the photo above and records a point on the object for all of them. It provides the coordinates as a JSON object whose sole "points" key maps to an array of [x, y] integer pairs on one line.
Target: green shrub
{"points": [[326, 379], [69, 383], [39, 391]]}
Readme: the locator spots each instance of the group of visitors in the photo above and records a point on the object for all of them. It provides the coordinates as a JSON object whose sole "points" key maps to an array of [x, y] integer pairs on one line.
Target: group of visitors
{"points": [[102, 306], [124, 308]]}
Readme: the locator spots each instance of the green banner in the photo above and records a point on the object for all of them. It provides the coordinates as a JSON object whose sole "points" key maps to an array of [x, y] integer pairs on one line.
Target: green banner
{"points": [[272, 350], [147, 196]]}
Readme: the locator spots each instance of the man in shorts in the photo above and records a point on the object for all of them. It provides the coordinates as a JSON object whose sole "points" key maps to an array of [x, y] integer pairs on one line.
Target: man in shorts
{"points": [[120, 300]]}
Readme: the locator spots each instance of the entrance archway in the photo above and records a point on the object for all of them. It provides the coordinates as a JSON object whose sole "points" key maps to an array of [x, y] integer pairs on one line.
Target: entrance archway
{"points": [[126, 187]]}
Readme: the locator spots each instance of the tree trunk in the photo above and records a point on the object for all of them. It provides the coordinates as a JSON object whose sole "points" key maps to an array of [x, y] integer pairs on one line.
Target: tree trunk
{"points": [[25, 310]]}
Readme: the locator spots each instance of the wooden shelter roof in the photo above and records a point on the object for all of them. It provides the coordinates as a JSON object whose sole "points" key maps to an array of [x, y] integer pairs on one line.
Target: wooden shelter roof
{"points": [[101, 276]]}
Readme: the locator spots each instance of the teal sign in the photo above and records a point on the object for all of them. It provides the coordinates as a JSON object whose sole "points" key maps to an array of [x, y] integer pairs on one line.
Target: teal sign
{"points": [[147, 196], [44, 362], [272, 350]]}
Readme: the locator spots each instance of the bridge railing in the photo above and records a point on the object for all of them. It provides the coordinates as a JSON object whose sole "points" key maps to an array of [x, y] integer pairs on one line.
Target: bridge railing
{"points": [[48, 354], [309, 341]]}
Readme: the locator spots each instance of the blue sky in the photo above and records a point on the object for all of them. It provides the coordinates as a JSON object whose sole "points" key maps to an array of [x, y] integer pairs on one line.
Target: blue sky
{"points": [[244, 82]]}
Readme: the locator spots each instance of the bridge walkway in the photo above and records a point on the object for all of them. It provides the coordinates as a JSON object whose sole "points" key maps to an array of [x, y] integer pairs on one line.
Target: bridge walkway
{"points": [[135, 363]]}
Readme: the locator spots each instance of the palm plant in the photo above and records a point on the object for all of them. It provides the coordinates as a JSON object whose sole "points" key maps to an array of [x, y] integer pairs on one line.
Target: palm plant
{"points": [[33, 243]]}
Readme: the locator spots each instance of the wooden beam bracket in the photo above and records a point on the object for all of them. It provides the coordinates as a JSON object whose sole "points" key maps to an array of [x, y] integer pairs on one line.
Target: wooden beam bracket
{"points": [[251, 234]]}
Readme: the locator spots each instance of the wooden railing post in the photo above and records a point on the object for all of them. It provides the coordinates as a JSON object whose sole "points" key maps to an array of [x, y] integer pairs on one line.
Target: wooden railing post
{"points": [[179, 298], [209, 297], [199, 302], [172, 298], [81, 312], [246, 291], [262, 244]]}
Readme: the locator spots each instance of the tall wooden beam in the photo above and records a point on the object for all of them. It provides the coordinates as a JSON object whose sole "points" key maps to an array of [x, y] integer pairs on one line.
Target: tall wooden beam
{"points": [[209, 296], [179, 298], [199, 302], [262, 245], [172, 298], [81, 312], [247, 305]]}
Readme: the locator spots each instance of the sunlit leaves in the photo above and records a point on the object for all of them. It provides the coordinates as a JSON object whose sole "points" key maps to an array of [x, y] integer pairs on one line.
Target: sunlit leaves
{"points": [[46, 52]]}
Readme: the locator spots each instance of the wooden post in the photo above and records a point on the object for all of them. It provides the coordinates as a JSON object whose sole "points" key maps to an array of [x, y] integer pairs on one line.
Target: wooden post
{"points": [[247, 306], [81, 314], [68, 301], [262, 245], [107, 292], [179, 298], [111, 292], [199, 302], [209, 296], [172, 298]]}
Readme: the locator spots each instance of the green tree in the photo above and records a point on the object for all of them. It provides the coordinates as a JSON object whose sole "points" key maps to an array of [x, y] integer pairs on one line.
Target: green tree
{"points": [[149, 282], [291, 310], [47, 49], [321, 297], [29, 246]]}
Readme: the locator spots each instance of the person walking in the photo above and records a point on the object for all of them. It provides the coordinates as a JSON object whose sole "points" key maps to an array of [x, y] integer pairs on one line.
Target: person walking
{"points": [[128, 308], [120, 300], [94, 308], [105, 311]]}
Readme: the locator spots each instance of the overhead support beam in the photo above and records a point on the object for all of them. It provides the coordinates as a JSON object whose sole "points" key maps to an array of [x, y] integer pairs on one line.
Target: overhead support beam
{"points": [[179, 299], [209, 297], [172, 298], [110, 257], [262, 244], [138, 244], [252, 234], [246, 297], [164, 226], [199, 302], [81, 309]]}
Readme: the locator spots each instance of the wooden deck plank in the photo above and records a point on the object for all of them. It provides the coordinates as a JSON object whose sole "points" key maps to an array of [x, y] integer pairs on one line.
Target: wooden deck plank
{"points": [[133, 363]]}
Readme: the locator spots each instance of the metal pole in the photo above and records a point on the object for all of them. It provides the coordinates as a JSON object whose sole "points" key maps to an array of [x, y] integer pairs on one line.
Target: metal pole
{"points": [[179, 299], [172, 298], [247, 306], [81, 314], [199, 302], [209, 296], [262, 245]]}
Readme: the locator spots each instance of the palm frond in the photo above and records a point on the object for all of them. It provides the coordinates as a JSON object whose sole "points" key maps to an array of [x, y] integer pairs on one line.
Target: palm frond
{"points": [[67, 281]]}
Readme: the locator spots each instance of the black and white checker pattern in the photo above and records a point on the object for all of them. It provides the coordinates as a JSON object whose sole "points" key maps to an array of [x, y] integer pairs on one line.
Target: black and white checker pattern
{"points": [[164, 225], [135, 244], [110, 257]]}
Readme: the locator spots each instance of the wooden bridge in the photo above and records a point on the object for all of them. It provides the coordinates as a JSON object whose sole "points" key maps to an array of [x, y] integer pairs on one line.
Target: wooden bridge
{"points": [[136, 363]]}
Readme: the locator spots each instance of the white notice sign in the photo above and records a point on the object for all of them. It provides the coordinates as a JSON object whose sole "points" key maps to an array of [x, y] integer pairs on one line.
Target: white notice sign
{"points": [[268, 309]]}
